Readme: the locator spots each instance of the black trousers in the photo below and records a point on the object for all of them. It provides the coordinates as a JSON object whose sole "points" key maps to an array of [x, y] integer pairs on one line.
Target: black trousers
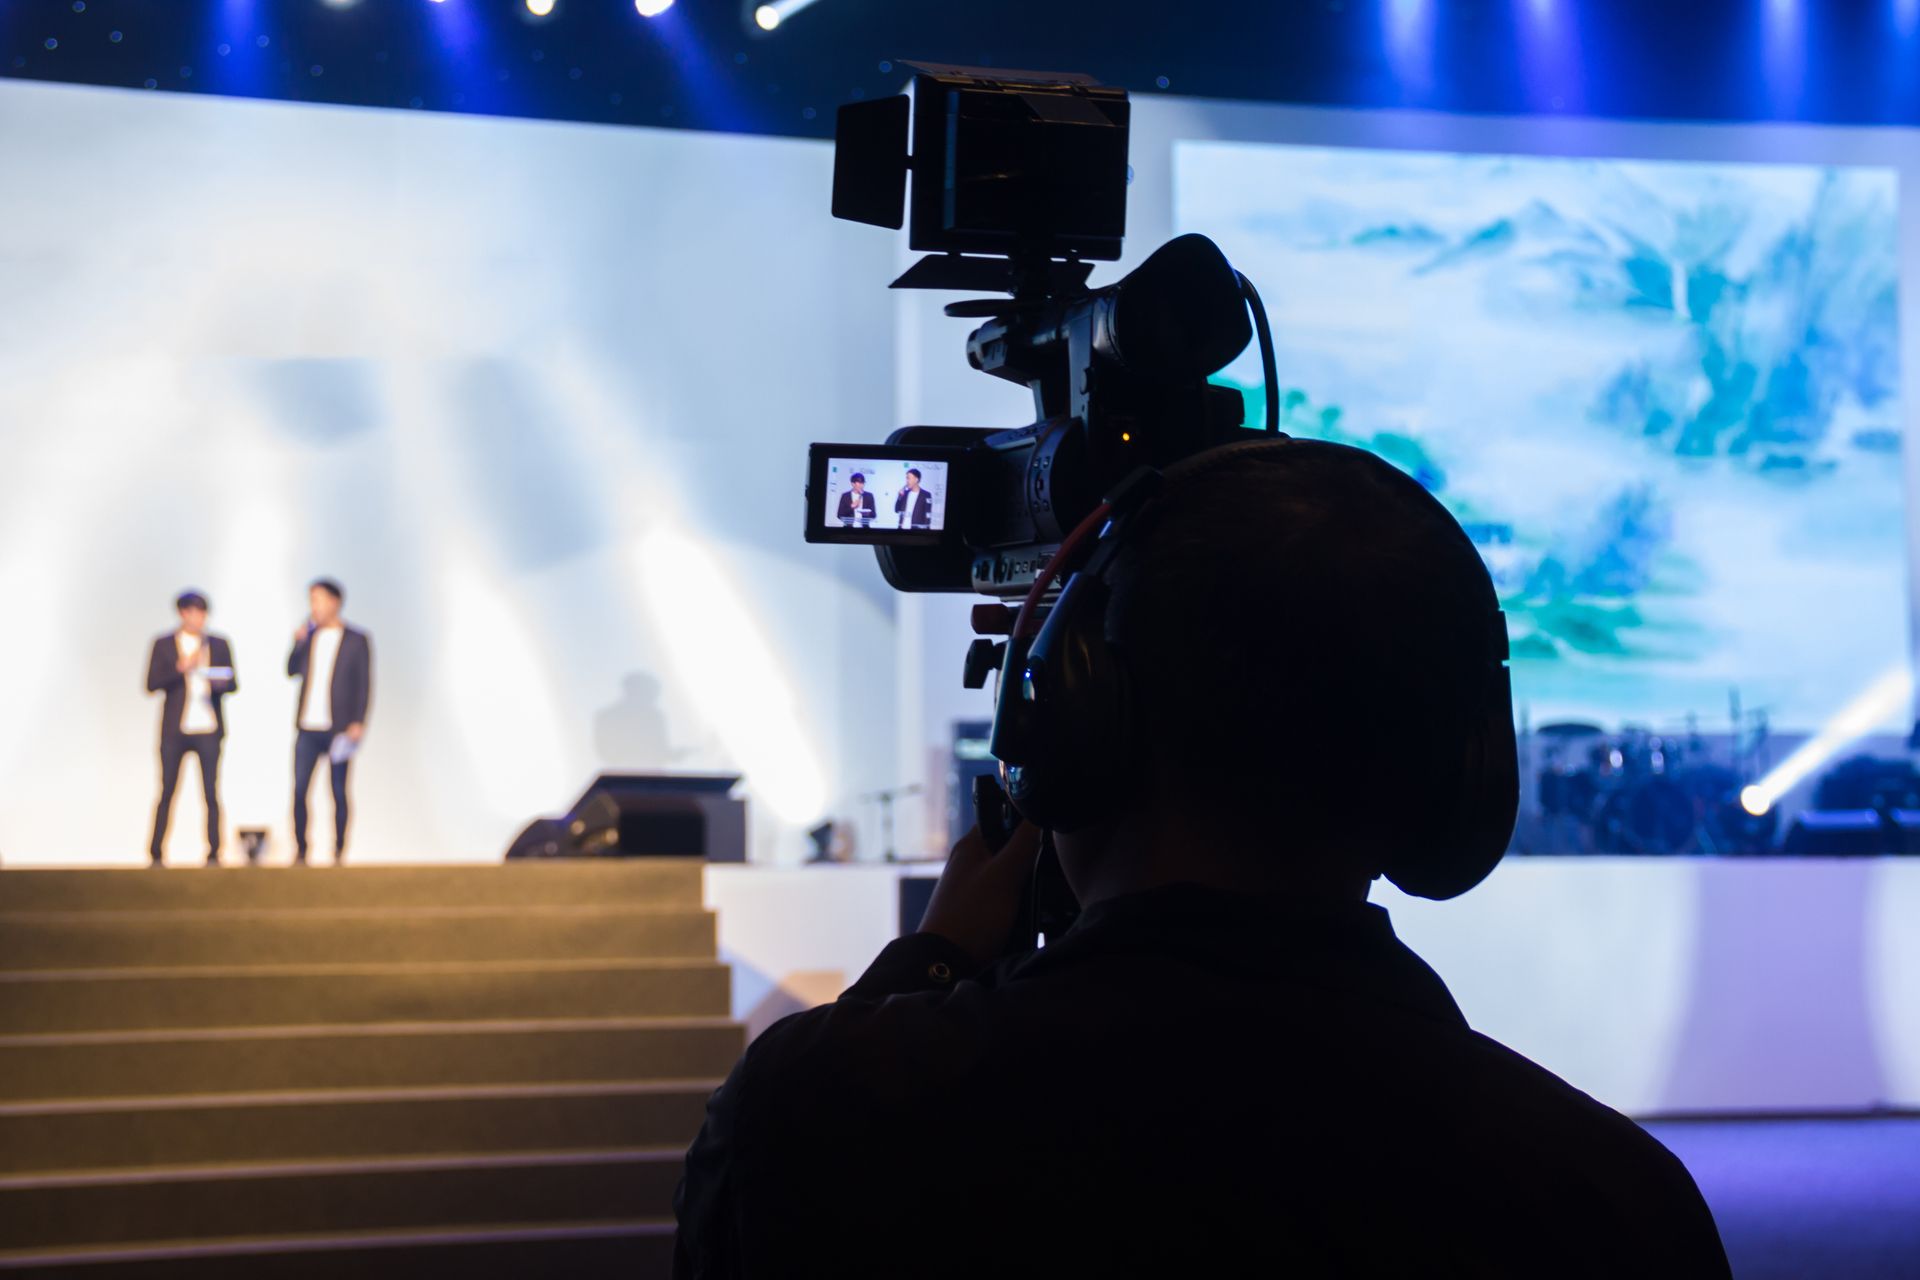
{"points": [[174, 750], [310, 747]]}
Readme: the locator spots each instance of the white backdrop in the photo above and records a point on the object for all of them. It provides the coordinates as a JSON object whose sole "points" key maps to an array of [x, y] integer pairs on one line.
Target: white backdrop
{"points": [[538, 394]]}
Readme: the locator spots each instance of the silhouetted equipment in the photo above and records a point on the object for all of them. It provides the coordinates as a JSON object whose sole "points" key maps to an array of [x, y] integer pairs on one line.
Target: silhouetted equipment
{"points": [[971, 759], [253, 842], [1869, 782], [1863, 806], [637, 815], [1836, 833], [1636, 791]]}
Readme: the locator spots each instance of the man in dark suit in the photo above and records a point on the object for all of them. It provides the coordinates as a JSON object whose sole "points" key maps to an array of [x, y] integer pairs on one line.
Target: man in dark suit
{"points": [[334, 664], [914, 506], [856, 504], [194, 670]]}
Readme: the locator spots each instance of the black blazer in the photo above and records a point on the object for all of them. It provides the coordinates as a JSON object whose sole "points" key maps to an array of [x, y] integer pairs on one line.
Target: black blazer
{"points": [[352, 692], [866, 506], [922, 514], [163, 676]]}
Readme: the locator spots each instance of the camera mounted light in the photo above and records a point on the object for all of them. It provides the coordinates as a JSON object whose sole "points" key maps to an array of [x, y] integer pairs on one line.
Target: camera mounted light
{"points": [[1024, 166]]}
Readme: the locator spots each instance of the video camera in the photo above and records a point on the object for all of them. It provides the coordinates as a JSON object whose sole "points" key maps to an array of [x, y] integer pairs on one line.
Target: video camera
{"points": [[1020, 186]]}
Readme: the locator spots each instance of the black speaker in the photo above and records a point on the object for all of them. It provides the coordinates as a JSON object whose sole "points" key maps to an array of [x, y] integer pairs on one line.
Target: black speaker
{"points": [[1838, 833], [542, 838], [635, 815]]}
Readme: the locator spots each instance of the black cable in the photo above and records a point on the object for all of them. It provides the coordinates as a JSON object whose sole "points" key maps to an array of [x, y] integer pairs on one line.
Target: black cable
{"points": [[1269, 368]]}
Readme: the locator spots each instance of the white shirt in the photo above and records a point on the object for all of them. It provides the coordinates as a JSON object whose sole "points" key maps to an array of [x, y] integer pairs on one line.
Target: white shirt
{"points": [[196, 712], [316, 709]]}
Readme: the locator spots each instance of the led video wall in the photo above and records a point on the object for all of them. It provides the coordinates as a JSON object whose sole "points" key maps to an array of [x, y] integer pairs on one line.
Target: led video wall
{"points": [[1665, 400]]}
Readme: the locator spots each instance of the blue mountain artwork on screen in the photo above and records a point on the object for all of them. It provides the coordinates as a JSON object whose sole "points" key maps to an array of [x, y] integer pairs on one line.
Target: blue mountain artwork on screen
{"points": [[1663, 398]]}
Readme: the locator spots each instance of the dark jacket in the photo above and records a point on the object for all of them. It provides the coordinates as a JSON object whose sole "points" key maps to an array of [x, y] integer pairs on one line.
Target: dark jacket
{"points": [[922, 513], [352, 692], [163, 675], [1187, 1083], [847, 512]]}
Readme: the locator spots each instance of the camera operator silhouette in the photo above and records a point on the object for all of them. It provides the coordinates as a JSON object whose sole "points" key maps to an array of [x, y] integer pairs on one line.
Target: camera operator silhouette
{"points": [[856, 504], [914, 506], [1277, 680]]}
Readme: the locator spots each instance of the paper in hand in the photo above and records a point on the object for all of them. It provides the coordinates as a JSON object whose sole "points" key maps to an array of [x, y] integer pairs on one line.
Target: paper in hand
{"points": [[342, 749]]}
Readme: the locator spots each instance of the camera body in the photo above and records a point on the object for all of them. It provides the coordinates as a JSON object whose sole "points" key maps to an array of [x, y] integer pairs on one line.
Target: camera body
{"points": [[1019, 185]]}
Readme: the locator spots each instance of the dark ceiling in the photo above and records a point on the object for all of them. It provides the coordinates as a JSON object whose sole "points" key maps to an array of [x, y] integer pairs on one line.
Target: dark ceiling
{"points": [[704, 65]]}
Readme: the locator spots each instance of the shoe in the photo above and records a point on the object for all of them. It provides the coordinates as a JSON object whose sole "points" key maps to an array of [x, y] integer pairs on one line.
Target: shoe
{"points": [[213, 859]]}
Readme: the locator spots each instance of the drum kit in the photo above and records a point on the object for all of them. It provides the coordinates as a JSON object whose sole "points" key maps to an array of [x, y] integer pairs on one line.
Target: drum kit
{"points": [[1641, 792]]}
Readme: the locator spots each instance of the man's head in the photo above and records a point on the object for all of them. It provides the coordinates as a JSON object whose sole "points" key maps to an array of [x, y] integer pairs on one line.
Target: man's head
{"points": [[1308, 636], [913, 477], [859, 483], [324, 598], [193, 610]]}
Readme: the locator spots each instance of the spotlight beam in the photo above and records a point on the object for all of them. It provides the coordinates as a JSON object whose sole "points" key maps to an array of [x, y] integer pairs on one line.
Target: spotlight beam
{"points": [[1875, 704]]}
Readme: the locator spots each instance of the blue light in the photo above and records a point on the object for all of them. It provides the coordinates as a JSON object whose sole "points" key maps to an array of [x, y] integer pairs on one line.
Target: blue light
{"points": [[1406, 28], [237, 24], [1906, 18], [1783, 40], [1547, 37]]}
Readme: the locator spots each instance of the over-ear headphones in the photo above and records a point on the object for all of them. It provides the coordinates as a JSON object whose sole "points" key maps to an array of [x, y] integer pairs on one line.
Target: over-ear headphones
{"points": [[1066, 730]]}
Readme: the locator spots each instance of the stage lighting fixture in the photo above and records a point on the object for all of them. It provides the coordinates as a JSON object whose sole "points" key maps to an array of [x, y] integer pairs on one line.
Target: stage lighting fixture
{"points": [[768, 17], [1879, 701], [340, 4], [652, 8], [539, 8]]}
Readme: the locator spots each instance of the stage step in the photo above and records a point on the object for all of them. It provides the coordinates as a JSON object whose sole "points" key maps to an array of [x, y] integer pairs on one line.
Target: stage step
{"points": [[377, 935], [169, 1064], [346, 1124], [654, 882], [623, 1248], [166, 999], [369, 1071], [195, 1202]]}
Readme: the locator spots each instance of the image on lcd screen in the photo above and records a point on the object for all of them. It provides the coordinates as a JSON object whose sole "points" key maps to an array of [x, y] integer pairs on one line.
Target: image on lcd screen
{"points": [[886, 495]]}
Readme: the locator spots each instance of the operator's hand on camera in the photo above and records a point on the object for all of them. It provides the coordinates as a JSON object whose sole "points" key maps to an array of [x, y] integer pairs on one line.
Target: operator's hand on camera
{"points": [[979, 894]]}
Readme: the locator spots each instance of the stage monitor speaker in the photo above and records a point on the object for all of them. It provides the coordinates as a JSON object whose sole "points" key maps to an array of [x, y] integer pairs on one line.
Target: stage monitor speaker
{"points": [[1839, 833], [635, 815]]}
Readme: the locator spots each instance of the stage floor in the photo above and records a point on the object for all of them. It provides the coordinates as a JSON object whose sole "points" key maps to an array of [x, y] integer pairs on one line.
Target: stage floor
{"points": [[1809, 1198]]}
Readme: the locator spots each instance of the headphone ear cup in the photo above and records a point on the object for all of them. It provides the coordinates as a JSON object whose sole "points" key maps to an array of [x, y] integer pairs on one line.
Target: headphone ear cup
{"points": [[1063, 723], [1481, 799]]}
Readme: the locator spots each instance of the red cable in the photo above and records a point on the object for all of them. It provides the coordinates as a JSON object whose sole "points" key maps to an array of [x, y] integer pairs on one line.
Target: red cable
{"points": [[1056, 564]]}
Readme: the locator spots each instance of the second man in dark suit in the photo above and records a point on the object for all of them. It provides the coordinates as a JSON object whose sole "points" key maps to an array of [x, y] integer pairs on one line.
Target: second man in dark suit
{"points": [[914, 506], [334, 664]]}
